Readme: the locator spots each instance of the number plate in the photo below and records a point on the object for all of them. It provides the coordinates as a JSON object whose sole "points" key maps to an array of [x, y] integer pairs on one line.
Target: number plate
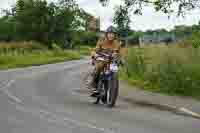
{"points": [[113, 67]]}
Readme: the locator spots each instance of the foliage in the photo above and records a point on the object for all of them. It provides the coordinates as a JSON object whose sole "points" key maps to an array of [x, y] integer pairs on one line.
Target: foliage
{"points": [[191, 41], [195, 40], [169, 7], [185, 35], [41, 21], [85, 38], [56, 48], [122, 20], [7, 29], [166, 6]]}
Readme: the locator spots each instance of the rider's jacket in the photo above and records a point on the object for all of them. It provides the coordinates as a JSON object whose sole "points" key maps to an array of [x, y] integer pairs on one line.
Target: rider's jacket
{"points": [[106, 44]]}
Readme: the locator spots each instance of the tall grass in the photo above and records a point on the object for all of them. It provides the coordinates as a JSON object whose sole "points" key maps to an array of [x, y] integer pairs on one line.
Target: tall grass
{"points": [[170, 70], [20, 47], [31, 53], [36, 58]]}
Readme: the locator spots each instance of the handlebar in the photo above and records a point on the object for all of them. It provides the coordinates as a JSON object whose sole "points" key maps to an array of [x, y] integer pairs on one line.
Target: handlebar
{"points": [[103, 54], [108, 57]]}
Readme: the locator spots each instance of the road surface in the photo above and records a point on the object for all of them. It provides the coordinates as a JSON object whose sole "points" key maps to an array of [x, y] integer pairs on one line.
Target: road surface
{"points": [[48, 99]]}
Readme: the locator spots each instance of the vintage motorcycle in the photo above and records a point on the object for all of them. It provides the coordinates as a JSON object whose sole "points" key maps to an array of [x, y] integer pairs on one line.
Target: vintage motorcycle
{"points": [[108, 83]]}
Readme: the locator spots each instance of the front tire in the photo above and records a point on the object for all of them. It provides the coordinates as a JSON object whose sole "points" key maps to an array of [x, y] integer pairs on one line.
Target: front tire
{"points": [[113, 91]]}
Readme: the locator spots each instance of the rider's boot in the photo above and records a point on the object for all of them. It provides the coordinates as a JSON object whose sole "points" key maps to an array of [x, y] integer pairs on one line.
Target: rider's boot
{"points": [[94, 86]]}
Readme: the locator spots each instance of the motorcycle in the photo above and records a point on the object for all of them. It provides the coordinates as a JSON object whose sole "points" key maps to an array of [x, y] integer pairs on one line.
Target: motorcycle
{"points": [[108, 83]]}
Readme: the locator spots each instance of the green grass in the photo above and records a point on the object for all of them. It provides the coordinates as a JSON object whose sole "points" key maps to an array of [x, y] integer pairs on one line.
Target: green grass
{"points": [[36, 58], [168, 70]]}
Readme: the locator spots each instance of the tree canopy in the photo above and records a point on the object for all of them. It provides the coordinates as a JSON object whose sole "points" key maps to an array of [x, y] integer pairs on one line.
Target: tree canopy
{"points": [[166, 6], [42, 21], [169, 7]]}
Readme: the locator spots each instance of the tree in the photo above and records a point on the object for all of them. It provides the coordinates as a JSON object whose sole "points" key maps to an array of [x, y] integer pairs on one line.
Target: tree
{"points": [[194, 39], [166, 6], [122, 20], [183, 31], [32, 19], [42, 21], [161, 31], [7, 29], [85, 38], [150, 32]]}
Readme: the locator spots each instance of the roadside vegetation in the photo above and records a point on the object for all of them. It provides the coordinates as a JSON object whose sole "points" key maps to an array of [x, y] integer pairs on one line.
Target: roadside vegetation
{"points": [[173, 70], [25, 54], [59, 30], [56, 28]]}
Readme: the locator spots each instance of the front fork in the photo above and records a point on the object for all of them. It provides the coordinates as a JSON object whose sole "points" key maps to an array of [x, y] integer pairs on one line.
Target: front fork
{"points": [[105, 77]]}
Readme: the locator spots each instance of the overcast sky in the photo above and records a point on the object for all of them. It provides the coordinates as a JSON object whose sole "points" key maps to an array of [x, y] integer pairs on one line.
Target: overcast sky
{"points": [[149, 19]]}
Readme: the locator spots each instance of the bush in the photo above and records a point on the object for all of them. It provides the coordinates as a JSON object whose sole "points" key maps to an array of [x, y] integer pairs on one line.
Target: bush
{"points": [[86, 38], [192, 41], [56, 48], [195, 40]]}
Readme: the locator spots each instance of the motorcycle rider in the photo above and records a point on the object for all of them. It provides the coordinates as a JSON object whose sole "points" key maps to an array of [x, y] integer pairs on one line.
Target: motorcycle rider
{"points": [[110, 42]]}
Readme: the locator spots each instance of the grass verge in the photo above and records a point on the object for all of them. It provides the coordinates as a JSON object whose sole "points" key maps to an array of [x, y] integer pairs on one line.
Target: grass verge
{"points": [[36, 58], [167, 70]]}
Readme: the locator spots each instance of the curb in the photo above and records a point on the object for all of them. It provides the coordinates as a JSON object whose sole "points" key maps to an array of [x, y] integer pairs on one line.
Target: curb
{"points": [[189, 113], [177, 110]]}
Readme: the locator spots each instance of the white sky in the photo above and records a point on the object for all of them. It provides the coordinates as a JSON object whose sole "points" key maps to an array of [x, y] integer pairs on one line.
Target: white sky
{"points": [[149, 19]]}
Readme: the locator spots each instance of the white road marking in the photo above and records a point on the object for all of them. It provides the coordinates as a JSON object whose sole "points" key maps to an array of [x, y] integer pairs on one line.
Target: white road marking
{"points": [[16, 99], [12, 97], [9, 83], [5, 90], [83, 124], [53, 118], [42, 113], [189, 112]]}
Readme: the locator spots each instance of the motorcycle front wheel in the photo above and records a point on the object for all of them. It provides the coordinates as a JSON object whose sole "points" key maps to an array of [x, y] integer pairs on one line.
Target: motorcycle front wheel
{"points": [[112, 91]]}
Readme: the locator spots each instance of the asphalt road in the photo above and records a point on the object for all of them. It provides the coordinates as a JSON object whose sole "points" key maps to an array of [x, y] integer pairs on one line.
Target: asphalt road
{"points": [[48, 99]]}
